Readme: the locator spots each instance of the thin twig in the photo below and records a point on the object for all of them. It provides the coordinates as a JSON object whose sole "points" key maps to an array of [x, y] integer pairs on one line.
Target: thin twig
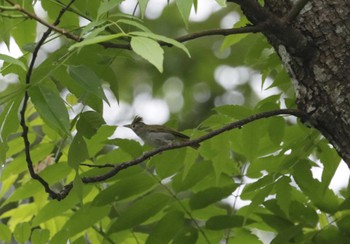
{"points": [[24, 126], [43, 22], [236, 124], [294, 12]]}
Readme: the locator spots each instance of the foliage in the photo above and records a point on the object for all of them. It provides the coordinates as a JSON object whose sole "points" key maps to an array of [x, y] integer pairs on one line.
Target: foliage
{"points": [[179, 196]]}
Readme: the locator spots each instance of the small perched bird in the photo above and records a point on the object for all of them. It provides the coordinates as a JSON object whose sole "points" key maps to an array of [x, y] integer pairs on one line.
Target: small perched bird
{"points": [[157, 135]]}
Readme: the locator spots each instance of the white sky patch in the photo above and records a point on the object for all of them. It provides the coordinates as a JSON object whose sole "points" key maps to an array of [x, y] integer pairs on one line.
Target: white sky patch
{"points": [[155, 8], [204, 10], [229, 20]]}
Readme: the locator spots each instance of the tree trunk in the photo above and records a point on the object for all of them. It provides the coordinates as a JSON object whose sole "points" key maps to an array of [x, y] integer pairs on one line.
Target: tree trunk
{"points": [[315, 48]]}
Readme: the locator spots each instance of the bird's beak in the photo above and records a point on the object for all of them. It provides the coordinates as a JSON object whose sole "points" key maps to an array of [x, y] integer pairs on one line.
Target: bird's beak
{"points": [[128, 126]]}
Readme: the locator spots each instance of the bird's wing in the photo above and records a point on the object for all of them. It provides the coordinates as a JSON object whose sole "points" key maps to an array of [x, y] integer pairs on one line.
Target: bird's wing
{"points": [[160, 128]]}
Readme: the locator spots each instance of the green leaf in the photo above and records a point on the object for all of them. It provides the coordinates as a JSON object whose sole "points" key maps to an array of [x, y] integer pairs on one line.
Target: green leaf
{"points": [[258, 198], [140, 211], [78, 152], [276, 129], [12, 60], [161, 233], [89, 122], [95, 40], [25, 31], [288, 235], [330, 234], [234, 111], [5, 233], [136, 185], [195, 174], [330, 160], [211, 195], [107, 6], [22, 232], [244, 236], [135, 23], [325, 199], [149, 50], [222, 3], [163, 39], [222, 222], [231, 40], [143, 5], [304, 214], [251, 135], [55, 208], [40, 236], [184, 7], [50, 106], [9, 123], [276, 222], [83, 218], [344, 224], [283, 194], [88, 80], [168, 163], [99, 140]]}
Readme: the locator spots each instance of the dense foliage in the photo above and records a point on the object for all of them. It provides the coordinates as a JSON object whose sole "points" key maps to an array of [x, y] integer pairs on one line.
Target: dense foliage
{"points": [[246, 185]]}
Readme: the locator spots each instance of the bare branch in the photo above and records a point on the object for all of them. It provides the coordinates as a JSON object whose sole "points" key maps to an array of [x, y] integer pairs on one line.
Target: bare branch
{"points": [[24, 126], [233, 125], [294, 12]]}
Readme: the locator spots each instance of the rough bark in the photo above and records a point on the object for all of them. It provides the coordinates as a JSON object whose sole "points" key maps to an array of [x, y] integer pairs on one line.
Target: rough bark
{"points": [[315, 48]]}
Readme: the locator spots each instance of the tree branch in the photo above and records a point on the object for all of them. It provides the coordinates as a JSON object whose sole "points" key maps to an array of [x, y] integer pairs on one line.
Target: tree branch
{"points": [[149, 154], [294, 12], [24, 126], [43, 22], [188, 37]]}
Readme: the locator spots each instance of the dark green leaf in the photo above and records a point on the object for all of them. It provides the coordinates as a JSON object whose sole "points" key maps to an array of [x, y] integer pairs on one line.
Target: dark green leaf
{"points": [[83, 218], [331, 234], [276, 129], [197, 173], [211, 195], [330, 160], [89, 122], [50, 106], [326, 199], [126, 188], [283, 194], [87, 80], [78, 152], [99, 140], [140, 211], [162, 233], [288, 235], [169, 163], [9, 123], [226, 222], [344, 224]]}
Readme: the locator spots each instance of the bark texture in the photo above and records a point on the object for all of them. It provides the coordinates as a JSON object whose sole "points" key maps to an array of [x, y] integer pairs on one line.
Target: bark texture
{"points": [[315, 48]]}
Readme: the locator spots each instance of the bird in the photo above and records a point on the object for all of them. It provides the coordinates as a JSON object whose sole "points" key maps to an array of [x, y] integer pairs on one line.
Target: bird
{"points": [[158, 135]]}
